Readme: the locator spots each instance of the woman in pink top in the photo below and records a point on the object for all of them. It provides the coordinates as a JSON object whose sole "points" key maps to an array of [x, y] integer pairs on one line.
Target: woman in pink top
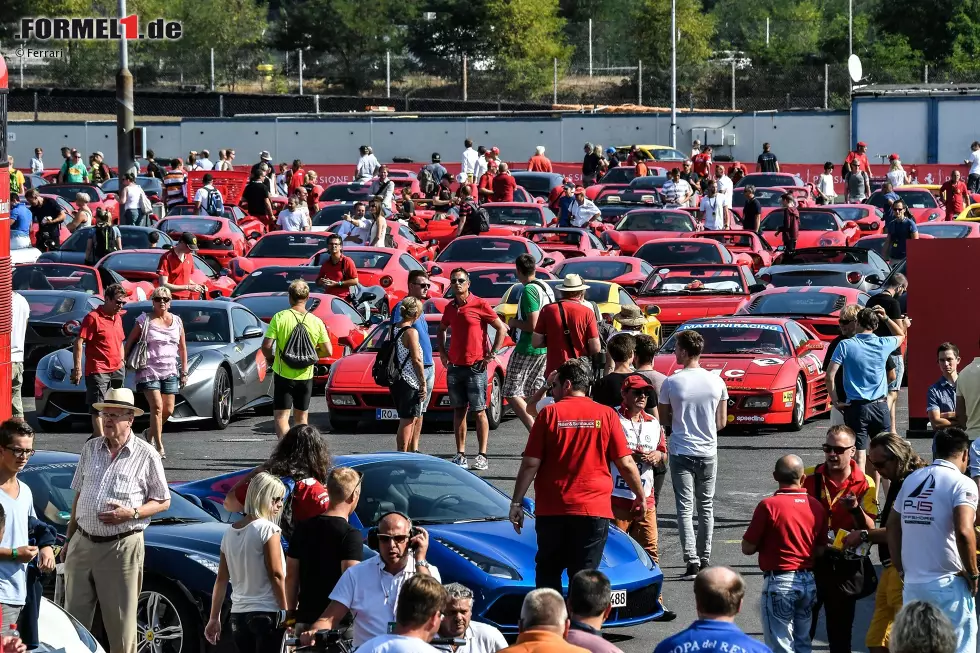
{"points": [[160, 379]]}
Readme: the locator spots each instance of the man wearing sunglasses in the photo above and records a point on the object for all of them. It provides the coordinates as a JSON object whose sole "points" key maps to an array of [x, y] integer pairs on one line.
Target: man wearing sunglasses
{"points": [[898, 232], [101, 334]]}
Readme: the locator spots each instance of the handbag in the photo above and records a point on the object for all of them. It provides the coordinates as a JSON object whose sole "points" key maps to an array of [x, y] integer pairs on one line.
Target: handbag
{"points": [[139, 356], [146, 208], [839, 575]]}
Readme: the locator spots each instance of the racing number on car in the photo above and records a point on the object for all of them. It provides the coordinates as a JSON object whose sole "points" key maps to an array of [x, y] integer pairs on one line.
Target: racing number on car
{"points": [[766, 362], [734, 374]]}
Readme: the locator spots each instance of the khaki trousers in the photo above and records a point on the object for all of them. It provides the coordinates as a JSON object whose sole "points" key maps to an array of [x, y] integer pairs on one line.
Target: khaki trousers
{"points": [[109, 575]]}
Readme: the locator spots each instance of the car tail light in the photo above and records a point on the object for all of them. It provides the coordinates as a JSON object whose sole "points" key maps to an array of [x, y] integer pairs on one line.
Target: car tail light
{"points": [[386, 281], [853, 277], [766, 278], [228, 242], [38, 387], [71, 327]]}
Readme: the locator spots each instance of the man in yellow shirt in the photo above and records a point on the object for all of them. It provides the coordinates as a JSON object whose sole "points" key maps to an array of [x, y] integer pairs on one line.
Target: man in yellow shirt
{"points": [[292, 387]]}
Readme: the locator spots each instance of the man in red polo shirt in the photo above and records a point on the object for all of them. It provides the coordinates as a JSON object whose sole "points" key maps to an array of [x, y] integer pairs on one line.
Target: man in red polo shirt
{"points": [[102, 335], [465, 359], [787, 531], [571, 311], [504, 184], [568, 453], [702, 162], [859, 157], [338, 274], [177, 265], [954, 196]]}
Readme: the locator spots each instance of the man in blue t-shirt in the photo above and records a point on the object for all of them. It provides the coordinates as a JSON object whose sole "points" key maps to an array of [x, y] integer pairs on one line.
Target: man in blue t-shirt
{"points": [[418, 287], [898, 231], [890, 196], [718, 593], [565, 205], [20, 225]]}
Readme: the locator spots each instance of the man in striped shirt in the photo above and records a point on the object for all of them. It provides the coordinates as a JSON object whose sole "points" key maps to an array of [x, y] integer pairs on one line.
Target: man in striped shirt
{"points": [[175, 184], [119, 485]]}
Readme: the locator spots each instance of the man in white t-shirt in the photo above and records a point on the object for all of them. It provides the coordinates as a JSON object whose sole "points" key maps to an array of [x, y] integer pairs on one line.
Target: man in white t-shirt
{"points": [[725, 185], [715, 208], [932, 539], [468, 161], [417, 619], [694, 402], [370, 590], [201, 204], [458, 624], [973, 178], [293, 218], [367, 165], [583, 210]]}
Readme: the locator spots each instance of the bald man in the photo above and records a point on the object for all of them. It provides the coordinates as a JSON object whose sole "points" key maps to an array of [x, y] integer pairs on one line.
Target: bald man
{"points": [[787, 530], [718, 593], [544, 624]]}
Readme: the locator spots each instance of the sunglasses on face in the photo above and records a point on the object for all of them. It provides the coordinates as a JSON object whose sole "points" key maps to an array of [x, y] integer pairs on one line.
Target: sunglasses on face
{"points": [[878, 464], [640, 392], [425, 286], [842, 322], [162, 300], [459, 281], [827, 448], [397, 539]]}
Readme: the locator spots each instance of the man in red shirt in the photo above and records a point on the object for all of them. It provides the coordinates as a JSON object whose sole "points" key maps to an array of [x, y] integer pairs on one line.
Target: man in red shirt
{"points": [[702, 162], [568, 454], [787, 531], [175, 269], [298, 177], [338, 274], [571, 313], [859, 157], [504, 184], [485, 187], [102, 334], [466, 361], [954, 195], [539, 162]]}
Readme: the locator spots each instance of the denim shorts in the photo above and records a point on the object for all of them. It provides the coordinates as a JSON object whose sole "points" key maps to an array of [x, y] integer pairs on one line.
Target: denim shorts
{"points": [[899, 363], [167, 386], [467, 387]]}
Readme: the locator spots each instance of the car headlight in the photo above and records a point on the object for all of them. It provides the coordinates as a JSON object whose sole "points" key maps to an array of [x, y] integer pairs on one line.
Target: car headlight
{"points": [[489, 566], [343, 400], [641, 553], [933, 216], [193, 362], [205, 561], [57, 370], [757, 402]]}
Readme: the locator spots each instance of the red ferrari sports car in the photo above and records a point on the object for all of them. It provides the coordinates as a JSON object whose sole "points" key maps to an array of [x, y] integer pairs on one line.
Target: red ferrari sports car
{"points": [[815, 307], [571, 242], [781, 180], [278, 248], [83, 278], [142, 264], [628, 271], [352, 394], [403, 238], [640, 226], [677, 293], [687, 250], [99, 199], [819, 227], [220, 240], [957, 229], [346, 328], [740, 241], [869, 218], [921, 203], [772, 367], [469, 251], [506, 219]]}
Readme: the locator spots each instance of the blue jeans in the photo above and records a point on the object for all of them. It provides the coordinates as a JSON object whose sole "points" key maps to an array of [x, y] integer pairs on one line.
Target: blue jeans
{"points": [[952, 596], [899, 363], [787, 608], [693, 478]]}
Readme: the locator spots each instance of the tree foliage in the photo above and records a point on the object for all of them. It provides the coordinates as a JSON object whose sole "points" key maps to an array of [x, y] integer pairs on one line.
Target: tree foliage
{"points": [[527, 38], [650, 32]]}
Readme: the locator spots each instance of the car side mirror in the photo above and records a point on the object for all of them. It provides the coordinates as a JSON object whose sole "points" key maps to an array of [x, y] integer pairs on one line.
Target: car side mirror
{"points": [[435, 271], [652, 310], [224, 272], [252, 332], [873, 279], [528, 504], [110, 196], [345, 341], [547, 261], [756, 287]]}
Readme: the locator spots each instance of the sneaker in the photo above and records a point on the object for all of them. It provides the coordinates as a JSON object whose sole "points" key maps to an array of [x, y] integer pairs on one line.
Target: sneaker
{"points": [[460, 460], [691, 572], [668, 615], [481, 462], [705, 563]]}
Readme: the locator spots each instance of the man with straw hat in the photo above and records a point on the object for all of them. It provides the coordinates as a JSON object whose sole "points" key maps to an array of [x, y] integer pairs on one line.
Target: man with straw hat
{"points": [[568, 328], [119, 485]]}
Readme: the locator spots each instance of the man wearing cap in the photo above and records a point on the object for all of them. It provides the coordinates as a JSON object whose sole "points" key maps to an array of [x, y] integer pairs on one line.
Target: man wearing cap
{"points": [[99, 170], [367, 164], [73, 171], [205, 161], [264, 157], [954, 195], [583, 211], [676, 190], [858, 159], [565, 201], [119, 485], [504, 184], [176, 267], [568, 328]]}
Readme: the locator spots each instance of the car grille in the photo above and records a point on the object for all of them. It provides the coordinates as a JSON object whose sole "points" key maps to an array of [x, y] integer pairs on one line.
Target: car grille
{"points": [[380, 400], [639, 603], [666, 330], [48, 331], [506, 610]]}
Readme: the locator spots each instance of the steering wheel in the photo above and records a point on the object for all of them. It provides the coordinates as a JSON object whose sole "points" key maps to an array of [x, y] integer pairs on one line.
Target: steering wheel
{"points": [[443, 499]]}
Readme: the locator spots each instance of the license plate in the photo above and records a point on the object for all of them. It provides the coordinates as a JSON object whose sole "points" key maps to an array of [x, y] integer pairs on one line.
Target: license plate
{"points": [[618, 599], [386, 413]]}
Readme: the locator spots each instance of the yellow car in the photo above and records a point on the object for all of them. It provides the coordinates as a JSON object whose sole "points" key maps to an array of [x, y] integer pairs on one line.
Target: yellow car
{"points": [[655, 152], [970, 213], [610, 297]]}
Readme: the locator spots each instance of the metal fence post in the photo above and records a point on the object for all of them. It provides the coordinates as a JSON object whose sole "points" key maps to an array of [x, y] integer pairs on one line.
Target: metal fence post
{"points": [[465, 79], [300, 52], [733, 85], [554, 99], [639, 82], [35, 106], [221, 106], [388, 72], [826, 86], [590, 48], [316, 103], [927, 74], [212, 70], [22, 71]]}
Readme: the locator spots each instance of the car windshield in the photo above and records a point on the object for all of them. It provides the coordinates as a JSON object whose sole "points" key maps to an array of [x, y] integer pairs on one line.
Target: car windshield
{"points": [[55, 277], [945, 230], [852, 213], [201, 324], [797, 303], [199, 226], [641, 220], [132, 239], [767, 180], [612, 211], [265, 306], [53, 496], [809, 221], [597, 270], [428, 491], [536, 184], [489, 284], [551, 238], [823, 255], [619, 175], [918, 199], [331, 214], [647, 182], [694, 280], [274, 280], [767, 198], [658, 253], [731, 240], [143, 262], [369, 260], [288, 245], [598, 292], [726, 338], [482, 250], [667, 154], [345, 193], [512, 215], [68, 192], [50, 305]]}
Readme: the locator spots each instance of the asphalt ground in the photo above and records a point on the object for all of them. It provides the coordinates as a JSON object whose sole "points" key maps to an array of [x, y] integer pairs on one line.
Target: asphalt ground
{"points": [[745, 462]]}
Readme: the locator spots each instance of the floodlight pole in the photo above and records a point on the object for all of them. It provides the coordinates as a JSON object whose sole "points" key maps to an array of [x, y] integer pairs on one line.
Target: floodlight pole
{"points": [[124, 104]]}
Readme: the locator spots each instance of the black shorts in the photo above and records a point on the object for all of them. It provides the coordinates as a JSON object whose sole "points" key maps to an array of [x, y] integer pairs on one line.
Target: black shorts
{"points": [[291, 393], [97, 386], [407, 400]]}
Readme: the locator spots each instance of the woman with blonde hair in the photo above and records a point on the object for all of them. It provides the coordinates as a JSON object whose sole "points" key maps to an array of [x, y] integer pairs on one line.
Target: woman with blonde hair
{"points": [[896, 173], [252, 560], [158, 377], [83, 214], [407, 387]]}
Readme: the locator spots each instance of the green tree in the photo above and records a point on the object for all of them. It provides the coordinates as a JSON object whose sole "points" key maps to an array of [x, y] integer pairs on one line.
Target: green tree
{"points": [[964, 28], [794, 29], [445, 30], [527, 38], [650, 33], [923, 24]]}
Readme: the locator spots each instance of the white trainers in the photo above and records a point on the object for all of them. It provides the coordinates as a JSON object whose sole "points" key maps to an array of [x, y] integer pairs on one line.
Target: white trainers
{"points": [[481, 462], [460, 461]]}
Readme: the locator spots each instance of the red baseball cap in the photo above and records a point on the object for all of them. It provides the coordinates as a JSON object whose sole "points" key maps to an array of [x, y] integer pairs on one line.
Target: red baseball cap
{"points": [[862, 144], [894, 156], [495, 149], [636, 382]]}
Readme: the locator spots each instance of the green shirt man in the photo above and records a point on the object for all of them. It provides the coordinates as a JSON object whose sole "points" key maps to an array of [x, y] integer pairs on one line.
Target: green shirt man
{"points": [[530, 302], [75, 172], [281, 327]]}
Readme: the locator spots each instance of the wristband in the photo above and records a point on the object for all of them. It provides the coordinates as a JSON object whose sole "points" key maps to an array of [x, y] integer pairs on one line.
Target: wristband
{"points": [[13, 555]]}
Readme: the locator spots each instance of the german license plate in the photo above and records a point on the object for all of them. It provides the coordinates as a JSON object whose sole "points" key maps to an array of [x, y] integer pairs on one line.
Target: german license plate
{"points": [[386, 413], [618, 598]]}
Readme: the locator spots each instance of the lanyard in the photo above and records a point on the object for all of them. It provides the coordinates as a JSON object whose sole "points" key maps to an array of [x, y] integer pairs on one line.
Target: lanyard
{"points": [[832, 502]]}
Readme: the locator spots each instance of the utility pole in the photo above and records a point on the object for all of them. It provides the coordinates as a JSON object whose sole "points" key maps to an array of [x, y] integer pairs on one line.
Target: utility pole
{"points": [[590, 47], [673, 73], [124, 104], [300, 52]]}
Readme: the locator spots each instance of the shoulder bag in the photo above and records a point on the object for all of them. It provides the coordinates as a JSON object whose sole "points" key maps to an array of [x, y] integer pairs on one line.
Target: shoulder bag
{"points": [[139, 355], [839, 575]]}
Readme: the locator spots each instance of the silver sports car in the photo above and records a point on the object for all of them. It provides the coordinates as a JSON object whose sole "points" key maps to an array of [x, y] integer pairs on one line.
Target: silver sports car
{"points": [[227, 372]]}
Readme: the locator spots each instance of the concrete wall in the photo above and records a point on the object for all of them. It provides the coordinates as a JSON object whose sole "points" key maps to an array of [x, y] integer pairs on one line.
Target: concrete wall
{"points": [[795, 136]]}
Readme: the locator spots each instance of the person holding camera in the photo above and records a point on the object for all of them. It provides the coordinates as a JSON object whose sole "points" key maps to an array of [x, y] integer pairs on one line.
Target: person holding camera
{"points": [[417, 619], [371, 590], [49, 218]]}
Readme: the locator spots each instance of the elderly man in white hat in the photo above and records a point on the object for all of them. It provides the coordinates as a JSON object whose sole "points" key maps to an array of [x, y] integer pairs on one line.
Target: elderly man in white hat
{"points": [[119, 485], [568, 327]]}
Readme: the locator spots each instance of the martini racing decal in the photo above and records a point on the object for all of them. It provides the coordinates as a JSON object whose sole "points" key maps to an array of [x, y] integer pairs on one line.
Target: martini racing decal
{"points": [[732, 325], [766, 362]]}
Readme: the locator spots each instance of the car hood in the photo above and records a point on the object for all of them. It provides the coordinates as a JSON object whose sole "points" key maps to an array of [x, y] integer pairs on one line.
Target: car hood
{"points": [[354, 371], [680, 309], [757, 370], [200, 538]]}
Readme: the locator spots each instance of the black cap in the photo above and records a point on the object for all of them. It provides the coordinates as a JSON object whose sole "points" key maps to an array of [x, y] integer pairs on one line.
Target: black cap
{"points": [[436, 158], [190, 240]]}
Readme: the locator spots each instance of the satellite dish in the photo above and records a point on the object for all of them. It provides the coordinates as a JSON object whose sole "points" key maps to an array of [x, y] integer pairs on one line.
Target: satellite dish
{"points": [[854, 68]]}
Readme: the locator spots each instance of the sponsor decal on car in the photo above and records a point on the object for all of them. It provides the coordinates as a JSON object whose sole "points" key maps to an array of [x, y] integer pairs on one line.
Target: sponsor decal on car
{"points": [[732, 325], [788, 396], [756, 419]]}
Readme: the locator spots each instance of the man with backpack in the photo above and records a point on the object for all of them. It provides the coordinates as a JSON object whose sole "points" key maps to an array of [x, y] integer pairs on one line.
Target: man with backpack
{"points": [[430, 176], [473, 218], [525, 370], [105, 238], [208, 200], [300, 340], [49, 218]]}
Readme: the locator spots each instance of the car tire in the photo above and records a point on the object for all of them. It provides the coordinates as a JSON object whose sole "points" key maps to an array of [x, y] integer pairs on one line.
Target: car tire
{"points": [[163, 603], [799, 406], [222, 397], [495, 409]]}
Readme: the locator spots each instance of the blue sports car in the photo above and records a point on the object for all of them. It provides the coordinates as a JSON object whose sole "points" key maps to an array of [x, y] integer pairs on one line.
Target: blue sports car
{"points": [[472, 541]]}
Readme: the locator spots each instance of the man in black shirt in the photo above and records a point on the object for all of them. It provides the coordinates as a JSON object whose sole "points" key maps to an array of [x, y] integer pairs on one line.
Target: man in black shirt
{"points": [[752, 210], [256, 196], [691, 177], [888, 300], [323, 548], [767, 161], [590, 165], [620, 348], [48, 216], [153, 168]]}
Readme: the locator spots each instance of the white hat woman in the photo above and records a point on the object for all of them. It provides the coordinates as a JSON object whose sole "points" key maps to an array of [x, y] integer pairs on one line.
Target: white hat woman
{"points": [[896, 173], [83, 214], [252, 561]]}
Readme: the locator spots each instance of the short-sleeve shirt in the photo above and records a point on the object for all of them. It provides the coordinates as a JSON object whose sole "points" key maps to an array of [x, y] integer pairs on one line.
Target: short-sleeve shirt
{"points": [[751, 213], [321, 544], [468, 322], [281, 327], [767, 162], [968, 387], [887, 211], [422, 326], [582, 327], [711, 635], [954, 194], [714, 211], [860, 159], [693, 395], [503, 188], [175, 187], [863, 358], [340, 271], [21, 219], [643, 437], [530, 302], [75, 173], [857, 483], [243, 550], [255, 195], [900, 232], [103, 336], [48, 209], [13, 573], [926, 504], [575, 439], [785, 528], [178, 272], [941, 396]]}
